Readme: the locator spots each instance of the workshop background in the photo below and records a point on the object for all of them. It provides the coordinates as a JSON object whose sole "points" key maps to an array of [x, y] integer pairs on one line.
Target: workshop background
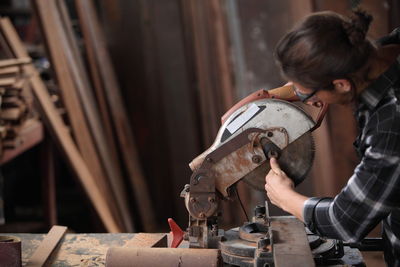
{"points": [[141, 86]]}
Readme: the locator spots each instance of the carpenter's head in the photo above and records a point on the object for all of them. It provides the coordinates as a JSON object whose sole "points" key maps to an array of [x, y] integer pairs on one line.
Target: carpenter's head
{"points": [[325, 52]]}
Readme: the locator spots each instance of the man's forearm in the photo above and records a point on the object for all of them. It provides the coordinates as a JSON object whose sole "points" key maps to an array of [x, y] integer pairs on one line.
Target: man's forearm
{"points": [[294, 204]]}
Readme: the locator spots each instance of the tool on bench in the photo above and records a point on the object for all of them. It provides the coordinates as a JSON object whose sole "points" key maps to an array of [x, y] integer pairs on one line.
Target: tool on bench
{"points": [[263, 125]]}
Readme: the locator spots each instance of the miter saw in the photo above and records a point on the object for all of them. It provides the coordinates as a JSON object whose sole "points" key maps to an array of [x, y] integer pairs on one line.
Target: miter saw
{"points": [[257, 128], [263, 125]]}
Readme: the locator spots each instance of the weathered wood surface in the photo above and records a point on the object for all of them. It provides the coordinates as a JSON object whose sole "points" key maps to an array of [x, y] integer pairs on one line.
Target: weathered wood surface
{"points": [[84, 249], [290, 243]]}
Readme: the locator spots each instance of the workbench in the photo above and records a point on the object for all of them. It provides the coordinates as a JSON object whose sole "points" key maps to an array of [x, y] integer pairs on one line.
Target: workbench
{"points": [[84, 249]]}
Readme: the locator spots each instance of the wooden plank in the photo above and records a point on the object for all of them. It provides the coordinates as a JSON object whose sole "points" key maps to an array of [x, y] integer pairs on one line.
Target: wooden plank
{"points": [[146, 240], [47, 246], [19, 84], [13, 70], [208, 48], [12, 92], [14, 62], [108, 155], [5, 47], [52, 34], [3, 132], [195, 17], [113, 9], [98, 88], [206, 26], [290, 243], [222, 53], [95, 39], [166, 104], [7, 81], [60, 132], [30, 135], [11, 102], [12, 144], [11, 114], [48, 159], [237, 50]]}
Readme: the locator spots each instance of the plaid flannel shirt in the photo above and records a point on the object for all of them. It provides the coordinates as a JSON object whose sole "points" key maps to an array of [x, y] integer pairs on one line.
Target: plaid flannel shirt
{"points": [[372, 193]]}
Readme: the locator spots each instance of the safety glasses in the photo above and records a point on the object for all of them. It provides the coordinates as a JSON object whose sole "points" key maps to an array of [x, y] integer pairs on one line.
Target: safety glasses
{"points": [[303, 97]]}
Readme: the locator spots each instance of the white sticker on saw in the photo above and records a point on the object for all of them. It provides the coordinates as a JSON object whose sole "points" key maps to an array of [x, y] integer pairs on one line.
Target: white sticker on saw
{"points": [[243, 118]]}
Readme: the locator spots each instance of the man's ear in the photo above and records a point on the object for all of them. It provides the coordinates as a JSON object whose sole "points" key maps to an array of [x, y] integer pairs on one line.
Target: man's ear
{"points": [[342, 85]]}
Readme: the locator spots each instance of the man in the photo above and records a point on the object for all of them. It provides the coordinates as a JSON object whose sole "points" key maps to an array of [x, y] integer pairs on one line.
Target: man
{"points": [[328, 59]]}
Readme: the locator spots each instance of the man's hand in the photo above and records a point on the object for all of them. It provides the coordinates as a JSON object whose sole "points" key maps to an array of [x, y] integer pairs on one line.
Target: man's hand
{"points": [[280, 190], [277, 184]]}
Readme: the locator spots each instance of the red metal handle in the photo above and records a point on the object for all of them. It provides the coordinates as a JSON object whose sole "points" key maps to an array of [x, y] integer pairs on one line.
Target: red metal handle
{"points": [[320, 116], [176, 232]]}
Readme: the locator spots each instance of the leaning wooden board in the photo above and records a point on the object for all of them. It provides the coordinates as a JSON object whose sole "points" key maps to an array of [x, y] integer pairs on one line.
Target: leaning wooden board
{"points": [[59, 130], [94, 37], [107, 153], [52, 33]]}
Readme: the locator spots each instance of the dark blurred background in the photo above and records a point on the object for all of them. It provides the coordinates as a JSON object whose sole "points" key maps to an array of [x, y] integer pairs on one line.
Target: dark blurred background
{"points": [[180, 65]]}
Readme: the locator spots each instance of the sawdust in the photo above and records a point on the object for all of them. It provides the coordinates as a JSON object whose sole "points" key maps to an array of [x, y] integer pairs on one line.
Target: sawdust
{"points": [[79, 250]]}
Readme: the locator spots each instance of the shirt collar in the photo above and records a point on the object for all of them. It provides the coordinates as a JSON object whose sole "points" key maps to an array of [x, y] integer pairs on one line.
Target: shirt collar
{"points": [[374, 93]]}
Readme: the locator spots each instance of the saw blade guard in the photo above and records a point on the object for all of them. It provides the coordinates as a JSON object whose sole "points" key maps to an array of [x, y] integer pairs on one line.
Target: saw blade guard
{"points": [[288, 127]]}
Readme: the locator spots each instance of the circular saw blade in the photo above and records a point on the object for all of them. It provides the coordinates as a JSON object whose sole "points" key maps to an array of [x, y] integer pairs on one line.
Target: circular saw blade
{"points": [[296, 161]]}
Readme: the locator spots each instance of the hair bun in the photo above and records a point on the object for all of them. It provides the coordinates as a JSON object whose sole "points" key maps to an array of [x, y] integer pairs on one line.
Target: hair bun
{"points": [[357, 28]]}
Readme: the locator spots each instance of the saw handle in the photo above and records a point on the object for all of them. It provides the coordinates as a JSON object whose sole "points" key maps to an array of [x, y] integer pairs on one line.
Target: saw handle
{"points": [[285, 92]]}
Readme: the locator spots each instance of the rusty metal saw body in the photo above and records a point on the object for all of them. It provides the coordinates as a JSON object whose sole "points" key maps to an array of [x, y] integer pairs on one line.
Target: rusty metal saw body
{"points": [[254, 130], [272, 125]]}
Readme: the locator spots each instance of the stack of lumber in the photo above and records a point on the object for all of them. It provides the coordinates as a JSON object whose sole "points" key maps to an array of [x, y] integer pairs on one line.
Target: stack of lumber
{"points": [[16, 103], [95, 139]]}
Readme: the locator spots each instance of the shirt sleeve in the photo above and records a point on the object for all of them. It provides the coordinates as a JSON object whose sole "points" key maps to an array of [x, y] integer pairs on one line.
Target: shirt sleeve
{"points": [[392, 38], [369, 196]]}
